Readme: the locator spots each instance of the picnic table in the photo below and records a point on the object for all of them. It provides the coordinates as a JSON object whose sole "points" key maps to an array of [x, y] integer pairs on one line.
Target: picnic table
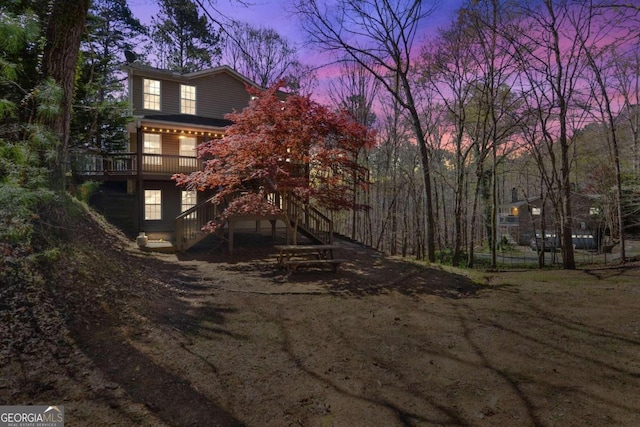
{"points": [[293, 256]]}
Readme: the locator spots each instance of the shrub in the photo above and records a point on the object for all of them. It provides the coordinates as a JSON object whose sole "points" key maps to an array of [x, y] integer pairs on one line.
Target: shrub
{"points": [[87, 189]]}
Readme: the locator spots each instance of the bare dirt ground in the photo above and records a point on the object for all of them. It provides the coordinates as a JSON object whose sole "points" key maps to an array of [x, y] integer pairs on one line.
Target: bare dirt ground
{"points": [[205, 340]]}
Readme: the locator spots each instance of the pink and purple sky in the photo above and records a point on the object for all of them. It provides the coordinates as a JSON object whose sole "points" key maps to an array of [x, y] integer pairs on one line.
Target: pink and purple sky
{"points": [[277, 14]]}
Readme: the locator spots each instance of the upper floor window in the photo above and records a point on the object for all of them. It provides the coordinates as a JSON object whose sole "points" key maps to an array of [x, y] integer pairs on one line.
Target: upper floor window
{"points": [[151, 94], [187, 99], [535, 211]]}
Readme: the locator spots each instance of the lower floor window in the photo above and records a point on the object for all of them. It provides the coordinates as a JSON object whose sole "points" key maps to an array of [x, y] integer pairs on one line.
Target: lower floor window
{"points": [[152, 204]]}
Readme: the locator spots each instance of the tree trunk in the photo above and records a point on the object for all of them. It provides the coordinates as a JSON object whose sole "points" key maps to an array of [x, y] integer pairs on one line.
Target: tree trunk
{"points": [[474, 213], [426, 175], [568, 258], [65, 28], [494, 206]]}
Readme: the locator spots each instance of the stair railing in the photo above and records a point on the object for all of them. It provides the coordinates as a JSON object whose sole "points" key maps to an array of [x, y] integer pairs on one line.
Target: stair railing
{"points": [[306, 218], [189, 224], [309, 219]]}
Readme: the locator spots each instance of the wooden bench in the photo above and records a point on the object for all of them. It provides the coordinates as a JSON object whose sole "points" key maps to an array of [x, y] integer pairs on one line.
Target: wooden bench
{"points": [[293, 256]]}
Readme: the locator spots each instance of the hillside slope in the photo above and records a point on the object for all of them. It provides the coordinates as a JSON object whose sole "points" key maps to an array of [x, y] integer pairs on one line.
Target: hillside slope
{"points": [[123, 338], [79, 275]]}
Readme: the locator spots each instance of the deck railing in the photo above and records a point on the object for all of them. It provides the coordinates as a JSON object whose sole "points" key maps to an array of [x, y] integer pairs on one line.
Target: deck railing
{"points": [[508, 219], [127, 164]]}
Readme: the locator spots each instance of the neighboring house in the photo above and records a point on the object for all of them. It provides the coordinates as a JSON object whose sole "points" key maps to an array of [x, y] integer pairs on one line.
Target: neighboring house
{"points": [[521, 220], [173, 113]]}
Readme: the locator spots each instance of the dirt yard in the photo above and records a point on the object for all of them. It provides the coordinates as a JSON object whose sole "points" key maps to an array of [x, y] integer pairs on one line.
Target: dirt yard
{"points": [[232, 341]]}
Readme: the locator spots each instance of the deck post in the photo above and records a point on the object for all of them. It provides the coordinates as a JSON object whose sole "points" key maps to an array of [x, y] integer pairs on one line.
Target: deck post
{"points": [[139, 178], [273, 230], [231, 222]]}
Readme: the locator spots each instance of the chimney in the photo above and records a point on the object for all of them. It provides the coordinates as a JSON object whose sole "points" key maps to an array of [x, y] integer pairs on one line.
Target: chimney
{"points": [[514, 195]]}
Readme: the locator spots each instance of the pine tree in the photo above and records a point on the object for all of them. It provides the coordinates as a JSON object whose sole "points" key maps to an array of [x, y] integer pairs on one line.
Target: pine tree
{"points": [[184, 40], [100, 108]]}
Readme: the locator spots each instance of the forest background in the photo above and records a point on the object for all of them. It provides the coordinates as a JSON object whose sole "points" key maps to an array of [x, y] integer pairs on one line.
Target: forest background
{"points": [[540, 97]]}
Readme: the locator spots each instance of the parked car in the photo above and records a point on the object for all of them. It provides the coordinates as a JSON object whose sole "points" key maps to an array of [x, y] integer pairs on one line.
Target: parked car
{"points": [[550, 244], [584, 241]]}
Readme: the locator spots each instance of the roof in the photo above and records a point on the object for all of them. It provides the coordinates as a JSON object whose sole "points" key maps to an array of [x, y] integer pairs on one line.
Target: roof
{"points": [[530, 200], [188, 119], [146, 70]]}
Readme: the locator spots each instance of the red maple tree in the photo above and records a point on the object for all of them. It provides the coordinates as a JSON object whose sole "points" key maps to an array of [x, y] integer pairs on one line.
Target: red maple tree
{"points": [[287, 146]]}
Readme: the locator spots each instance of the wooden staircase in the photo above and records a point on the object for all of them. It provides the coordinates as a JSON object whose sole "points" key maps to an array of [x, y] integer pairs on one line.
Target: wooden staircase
{"points": [[311, 223], [189, 224], [308, 220]]}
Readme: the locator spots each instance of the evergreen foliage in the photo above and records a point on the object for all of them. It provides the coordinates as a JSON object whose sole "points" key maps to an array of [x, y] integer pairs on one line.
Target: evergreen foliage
{"points": [[184, 40], [23, 147], [101, 107]]}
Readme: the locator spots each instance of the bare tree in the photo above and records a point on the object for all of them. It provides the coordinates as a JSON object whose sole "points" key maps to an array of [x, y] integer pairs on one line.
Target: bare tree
{"points": [[626, 69], [449, 69], [355, 90], [396, 218], [380, 36], [541, 150], [261, 54], [551, 58], [495, 107], [597, 51], [470, 71]]}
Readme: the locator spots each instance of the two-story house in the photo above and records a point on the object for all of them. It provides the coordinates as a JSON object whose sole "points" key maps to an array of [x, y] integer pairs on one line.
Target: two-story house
{"points": [[172, 114], [521, 221]]}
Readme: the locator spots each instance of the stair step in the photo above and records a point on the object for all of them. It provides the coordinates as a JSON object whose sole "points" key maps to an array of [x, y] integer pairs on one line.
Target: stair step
{"points": [[159, 246]]}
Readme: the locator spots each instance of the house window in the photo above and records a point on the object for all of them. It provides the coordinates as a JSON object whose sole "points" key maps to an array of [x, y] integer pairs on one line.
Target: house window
{"points": [[189, 200], [535, 211], [594, 211], [151, 94], [152, 204], [152, 149], [188, 151], [187, 99]]}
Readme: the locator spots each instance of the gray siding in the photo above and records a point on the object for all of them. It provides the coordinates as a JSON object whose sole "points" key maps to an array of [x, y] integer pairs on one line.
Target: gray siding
{"points": [[216, 94], [171, 197], [170, 97], [171, 206], [220, 94]]}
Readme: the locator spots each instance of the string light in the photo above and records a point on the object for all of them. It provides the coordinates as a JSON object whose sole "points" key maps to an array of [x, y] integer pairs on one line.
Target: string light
{"points": [[184, 132]]}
